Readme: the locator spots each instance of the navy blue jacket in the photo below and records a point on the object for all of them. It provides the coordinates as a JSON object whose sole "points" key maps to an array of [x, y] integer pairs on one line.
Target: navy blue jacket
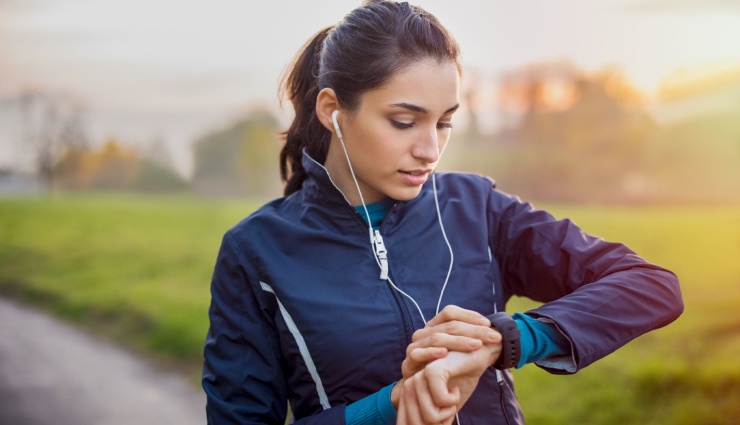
{"points": [[299, 314]]}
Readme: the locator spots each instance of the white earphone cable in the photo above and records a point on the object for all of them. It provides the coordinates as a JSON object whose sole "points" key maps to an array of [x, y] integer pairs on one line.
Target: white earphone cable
{"points": [[352, 172], [370, 226], [447, 241], [373, 242]]}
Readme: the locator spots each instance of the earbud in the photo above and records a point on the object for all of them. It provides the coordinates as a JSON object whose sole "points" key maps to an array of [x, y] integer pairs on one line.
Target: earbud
{"points": [[336, 124]]}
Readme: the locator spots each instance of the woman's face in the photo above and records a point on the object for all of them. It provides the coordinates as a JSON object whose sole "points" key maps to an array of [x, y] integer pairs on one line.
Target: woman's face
{"points": [[396, 136]]}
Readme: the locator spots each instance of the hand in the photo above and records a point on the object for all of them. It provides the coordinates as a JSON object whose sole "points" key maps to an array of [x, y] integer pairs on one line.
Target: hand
{"points": [[455, 377], [453, 329], [435, 394], [413, 411]]}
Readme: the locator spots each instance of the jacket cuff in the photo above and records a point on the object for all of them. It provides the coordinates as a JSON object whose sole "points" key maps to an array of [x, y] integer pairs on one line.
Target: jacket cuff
{"points": [[385, 405], [373, 409], [540, 341]]}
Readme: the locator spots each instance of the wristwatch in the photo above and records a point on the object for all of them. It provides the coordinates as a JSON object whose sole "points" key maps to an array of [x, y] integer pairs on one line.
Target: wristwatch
{"points": [[510, 350]]}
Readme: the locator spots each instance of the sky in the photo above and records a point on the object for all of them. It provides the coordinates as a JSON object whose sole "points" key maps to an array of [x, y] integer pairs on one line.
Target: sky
{"points": [[172, 71]]}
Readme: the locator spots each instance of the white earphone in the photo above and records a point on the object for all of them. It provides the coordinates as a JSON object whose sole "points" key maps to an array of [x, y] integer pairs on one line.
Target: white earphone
{"points": [[336, 124]]}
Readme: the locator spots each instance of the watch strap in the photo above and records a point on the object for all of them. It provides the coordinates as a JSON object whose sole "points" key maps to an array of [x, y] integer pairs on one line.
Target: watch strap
{"points": [[511, 349]]}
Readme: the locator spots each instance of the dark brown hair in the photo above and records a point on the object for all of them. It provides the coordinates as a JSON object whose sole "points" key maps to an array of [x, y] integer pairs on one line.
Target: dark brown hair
{"points": [[361, 53]]}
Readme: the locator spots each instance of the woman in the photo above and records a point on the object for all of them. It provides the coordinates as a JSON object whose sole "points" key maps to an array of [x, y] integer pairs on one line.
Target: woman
{"points": [[374, 291]]}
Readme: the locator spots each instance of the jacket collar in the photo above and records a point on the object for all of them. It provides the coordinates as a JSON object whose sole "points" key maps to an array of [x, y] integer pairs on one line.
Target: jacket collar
{"points": [[319, 185], [321, 188]]}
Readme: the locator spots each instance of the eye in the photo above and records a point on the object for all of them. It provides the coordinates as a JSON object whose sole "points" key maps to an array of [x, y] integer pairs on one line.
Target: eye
{"points": [[401, 125], [444, 125]]}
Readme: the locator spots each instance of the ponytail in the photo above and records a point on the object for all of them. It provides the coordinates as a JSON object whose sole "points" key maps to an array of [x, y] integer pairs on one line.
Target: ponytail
{"points": [[306, 131]]}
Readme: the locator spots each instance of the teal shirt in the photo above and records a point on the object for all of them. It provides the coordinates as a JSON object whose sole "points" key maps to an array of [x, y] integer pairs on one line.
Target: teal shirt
{"points": [[377, 211]]}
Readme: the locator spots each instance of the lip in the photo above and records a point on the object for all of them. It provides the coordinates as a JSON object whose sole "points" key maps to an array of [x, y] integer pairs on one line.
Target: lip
{"points": [[415, 177]]}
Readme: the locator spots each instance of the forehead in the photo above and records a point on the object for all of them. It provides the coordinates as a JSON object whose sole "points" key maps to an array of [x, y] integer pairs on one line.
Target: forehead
{"points": [[430, 84]]}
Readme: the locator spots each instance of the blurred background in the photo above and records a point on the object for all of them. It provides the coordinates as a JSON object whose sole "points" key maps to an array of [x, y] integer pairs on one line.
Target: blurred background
{"points": [[134, 133], [616, 101]]}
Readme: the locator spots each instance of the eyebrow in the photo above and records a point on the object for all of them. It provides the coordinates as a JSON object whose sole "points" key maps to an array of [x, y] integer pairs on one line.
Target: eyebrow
{"points": [[416, 108]]}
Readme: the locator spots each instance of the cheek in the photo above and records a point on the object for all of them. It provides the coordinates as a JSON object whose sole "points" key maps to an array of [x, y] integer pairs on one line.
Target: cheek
{"points": [[444, 138], [383, 144], [370, 135]]}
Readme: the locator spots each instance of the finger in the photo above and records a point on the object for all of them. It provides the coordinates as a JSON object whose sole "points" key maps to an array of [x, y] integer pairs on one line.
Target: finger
{"points": [[401, 413], [458, 328], [412, 414], [412, 411], [430, 412], [418, 354], [402, 418], [438, 381], [452, 342], [453, 327], [495, 351], [451, 420], [453, 312], [417, 358], [456, 391]]}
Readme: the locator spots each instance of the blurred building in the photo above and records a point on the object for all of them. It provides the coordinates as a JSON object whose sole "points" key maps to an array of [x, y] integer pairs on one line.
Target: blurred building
{"points": [[18, 183]]}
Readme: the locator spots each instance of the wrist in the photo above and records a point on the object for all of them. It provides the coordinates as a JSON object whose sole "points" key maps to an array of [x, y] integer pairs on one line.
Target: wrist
{"points": [[396, 394]]}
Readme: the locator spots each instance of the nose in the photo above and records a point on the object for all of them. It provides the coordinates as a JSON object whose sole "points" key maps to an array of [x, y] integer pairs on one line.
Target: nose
{"points": [[426, 147]]}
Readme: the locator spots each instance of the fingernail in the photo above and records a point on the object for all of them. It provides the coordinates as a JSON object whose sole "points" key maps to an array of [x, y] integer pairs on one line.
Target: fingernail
{"points": [[493, 336], [484, 321]]}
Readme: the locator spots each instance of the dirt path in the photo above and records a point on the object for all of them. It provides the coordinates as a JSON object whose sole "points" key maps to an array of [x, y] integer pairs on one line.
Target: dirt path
{"points": [[52, 373]]}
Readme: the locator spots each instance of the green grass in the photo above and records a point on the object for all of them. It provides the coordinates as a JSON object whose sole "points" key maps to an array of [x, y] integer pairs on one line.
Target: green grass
{"points": [[137, 269]]}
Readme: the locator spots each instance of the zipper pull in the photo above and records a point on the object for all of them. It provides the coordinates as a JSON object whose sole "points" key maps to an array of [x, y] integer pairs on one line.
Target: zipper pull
{"points": [[382, 255]]}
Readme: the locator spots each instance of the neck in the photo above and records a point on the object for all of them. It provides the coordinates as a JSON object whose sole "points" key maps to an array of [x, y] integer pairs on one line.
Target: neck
{"points": [[341, 175]]}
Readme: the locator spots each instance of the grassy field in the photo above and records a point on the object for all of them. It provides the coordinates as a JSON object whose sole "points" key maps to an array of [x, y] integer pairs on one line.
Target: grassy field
{"points": [[137, 269]]}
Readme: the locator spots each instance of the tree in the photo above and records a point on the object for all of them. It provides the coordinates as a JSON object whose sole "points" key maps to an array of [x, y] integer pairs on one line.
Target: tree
{"points": [[571, 134], [240, 160], [114, 166], [51, 124], [157, 171]]}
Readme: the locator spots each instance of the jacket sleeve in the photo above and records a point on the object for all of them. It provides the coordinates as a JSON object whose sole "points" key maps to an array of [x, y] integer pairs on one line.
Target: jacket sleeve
{"points": [[600, 295], [243, 371]]}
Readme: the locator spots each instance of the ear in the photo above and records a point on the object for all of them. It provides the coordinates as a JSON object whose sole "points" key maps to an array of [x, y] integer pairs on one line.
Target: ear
{"points": [[326, 103]]}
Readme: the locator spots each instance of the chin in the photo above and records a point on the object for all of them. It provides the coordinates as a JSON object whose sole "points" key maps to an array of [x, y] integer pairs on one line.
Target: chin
{"points": [[405, 194]]}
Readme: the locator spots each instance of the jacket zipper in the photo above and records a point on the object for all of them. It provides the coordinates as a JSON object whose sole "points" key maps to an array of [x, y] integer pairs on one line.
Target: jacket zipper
{"points": [[379, 248], [405, 314], [502, 387], [406, 317], [381, 253]]}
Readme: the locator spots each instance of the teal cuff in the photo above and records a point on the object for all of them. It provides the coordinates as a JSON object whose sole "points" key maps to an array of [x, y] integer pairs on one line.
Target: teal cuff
{"points": [[385, 405], [526, 339], [539, 340], [375, 409]]}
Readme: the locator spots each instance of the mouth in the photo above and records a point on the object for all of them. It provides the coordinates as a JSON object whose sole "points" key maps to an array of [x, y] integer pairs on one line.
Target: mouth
{"points": [[415, 177], [416, 172]]}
